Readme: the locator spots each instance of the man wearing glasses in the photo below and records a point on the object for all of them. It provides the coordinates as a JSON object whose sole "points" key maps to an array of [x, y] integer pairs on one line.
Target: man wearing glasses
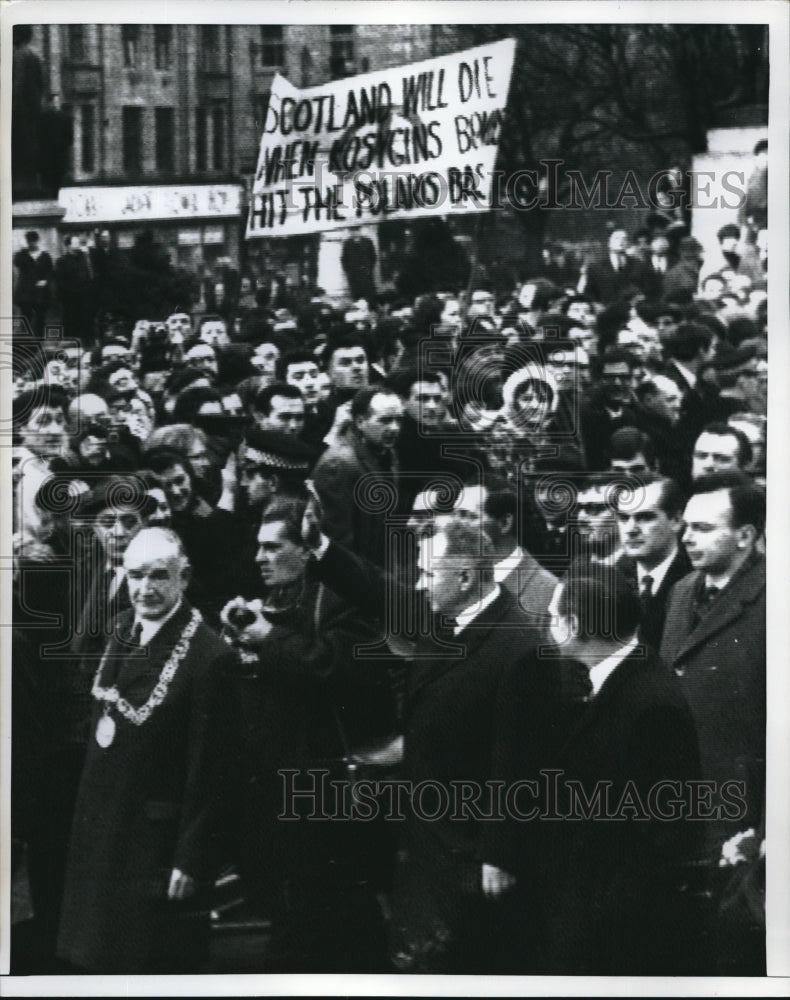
{"points": [[609, 406]]}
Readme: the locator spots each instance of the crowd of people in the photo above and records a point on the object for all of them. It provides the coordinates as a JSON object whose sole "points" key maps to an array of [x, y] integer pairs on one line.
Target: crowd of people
{"points": [[275, 561]]}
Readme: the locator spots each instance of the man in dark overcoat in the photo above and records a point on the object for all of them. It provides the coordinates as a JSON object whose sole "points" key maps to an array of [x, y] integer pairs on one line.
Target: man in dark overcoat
{"points": [[309, 698], [148, 811], [35, 271], [611, 849], [471, 636], [715, 642], [357, 478]]}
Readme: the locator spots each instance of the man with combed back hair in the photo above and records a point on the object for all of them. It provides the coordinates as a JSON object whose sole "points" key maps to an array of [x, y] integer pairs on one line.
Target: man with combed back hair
{"points": [[143, 846]]}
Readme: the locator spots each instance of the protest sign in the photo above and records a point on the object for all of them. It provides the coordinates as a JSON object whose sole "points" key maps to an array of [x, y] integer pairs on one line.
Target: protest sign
{"points": [[410, 141]]}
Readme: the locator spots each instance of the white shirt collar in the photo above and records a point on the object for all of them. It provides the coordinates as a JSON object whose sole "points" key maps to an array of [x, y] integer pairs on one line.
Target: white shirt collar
{"points": [[150, 626], [720, 584], [505, 567], [657, 573], [600, 672], [469, 614]]}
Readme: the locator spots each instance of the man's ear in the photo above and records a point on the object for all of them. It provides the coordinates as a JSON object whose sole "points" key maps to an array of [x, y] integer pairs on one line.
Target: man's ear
{"points": [[465, 579], [747, 536], [574, 626], [186, 575]]}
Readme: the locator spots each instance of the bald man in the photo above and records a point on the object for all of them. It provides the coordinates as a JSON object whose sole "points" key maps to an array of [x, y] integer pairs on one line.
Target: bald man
{"points": [[148, 809]]}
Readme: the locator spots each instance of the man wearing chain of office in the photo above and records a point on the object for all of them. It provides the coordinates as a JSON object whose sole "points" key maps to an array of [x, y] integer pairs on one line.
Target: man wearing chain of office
{"points": [[145, 836]]}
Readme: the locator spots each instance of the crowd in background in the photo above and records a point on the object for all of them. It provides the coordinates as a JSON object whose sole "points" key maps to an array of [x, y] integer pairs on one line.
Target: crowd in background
{"points": [[530, 408]]}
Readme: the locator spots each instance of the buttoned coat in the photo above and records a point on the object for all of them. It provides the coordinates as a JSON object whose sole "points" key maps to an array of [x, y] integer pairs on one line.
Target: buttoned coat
{"points": [[440, 923], [148, 803], [721, 662], [609, 888]]}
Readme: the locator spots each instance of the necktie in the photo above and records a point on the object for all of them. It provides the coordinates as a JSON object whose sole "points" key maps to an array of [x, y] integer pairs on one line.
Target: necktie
{"points": [[704, 601], [136, 634], [646, 592]]}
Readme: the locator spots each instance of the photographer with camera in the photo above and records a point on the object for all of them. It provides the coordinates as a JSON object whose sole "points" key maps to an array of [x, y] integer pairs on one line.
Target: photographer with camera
{"points": [[307, 698]]}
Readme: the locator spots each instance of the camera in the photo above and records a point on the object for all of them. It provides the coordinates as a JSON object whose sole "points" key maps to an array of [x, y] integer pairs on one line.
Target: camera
{"points": [[241, 617]]}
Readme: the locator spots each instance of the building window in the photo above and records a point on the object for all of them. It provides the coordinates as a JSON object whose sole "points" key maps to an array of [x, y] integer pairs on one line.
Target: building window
{"points": [[165, 139], [261, 111], [78, 44], [132, 120], [211, 138], [88, 138], [341, 49], [130, 42], [68, 112], [272, 49], [163, 43], [212, 48]]}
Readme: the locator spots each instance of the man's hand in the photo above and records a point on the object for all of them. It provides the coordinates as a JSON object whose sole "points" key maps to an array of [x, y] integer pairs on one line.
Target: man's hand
{"points": [[740, 848], [182, 886], [496, 882], [341, 422]]}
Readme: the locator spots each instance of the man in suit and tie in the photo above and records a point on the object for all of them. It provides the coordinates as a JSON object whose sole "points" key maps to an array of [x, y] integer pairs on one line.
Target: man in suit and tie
{"points": [[444, 880], [715, 642], [656, 266], [147, 815], [609, 279], [103, 522], [610, 879], [472, 638], [650, 520]]}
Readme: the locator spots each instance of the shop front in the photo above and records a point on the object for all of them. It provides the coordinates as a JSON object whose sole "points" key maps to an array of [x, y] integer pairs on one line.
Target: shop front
{"points": [[196, 223]]}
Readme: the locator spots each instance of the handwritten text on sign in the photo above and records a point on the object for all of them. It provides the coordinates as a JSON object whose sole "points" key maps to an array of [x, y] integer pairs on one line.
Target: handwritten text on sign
{"points": [[416, 140], [122, 204]]}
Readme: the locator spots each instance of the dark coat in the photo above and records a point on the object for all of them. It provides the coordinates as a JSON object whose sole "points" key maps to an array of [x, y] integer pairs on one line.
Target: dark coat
{"points": [[681, 281], [604, 284], [422, 460], [357, 520], [148, 803], [653, 615], [651, 281], [699, 407], [312, 698], [31, 270], [721, 664], [533, 587], [439, 920], [597, 426], [608, 889]]}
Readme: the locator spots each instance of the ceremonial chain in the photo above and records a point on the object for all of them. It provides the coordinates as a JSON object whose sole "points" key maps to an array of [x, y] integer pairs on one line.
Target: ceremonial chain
{"points": [[139, 715]]}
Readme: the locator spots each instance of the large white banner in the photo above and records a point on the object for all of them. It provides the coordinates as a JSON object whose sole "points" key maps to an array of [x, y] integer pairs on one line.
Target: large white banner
{"points": [[411, 141]]}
